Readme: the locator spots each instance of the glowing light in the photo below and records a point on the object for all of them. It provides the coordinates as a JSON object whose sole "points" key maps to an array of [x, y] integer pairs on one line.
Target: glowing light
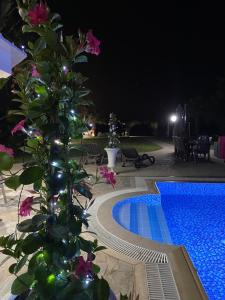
{"points": [[59, 175], [84, 212], [51, 278], [91, 124], [57, 142], [72, 111], [62, 191], [65, 69], [173, 118], [38, 95], [55, 163], [40, 256], [23, 47]]}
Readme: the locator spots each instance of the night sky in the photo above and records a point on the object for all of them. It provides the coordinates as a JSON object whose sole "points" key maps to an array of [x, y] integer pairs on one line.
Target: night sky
{"points": [[153, 57]]}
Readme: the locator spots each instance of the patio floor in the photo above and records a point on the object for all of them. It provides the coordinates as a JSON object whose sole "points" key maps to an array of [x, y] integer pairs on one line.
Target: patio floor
{"points": [[118, 269]]}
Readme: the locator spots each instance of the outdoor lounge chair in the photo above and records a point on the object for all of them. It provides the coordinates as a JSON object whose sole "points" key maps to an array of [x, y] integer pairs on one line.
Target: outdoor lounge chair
{"points": [[131, 155], [93, 152], [202, 148]]}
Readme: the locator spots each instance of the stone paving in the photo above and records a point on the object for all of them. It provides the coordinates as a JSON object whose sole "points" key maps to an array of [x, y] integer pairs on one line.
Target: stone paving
{"points": [[118, 272]]}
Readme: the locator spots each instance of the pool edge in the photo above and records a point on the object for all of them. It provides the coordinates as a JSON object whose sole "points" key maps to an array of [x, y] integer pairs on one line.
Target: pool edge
{"points": [[177, 256]]}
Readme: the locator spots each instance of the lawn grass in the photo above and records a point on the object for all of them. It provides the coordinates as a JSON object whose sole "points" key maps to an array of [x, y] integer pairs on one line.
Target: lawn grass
{"points": [[142, 144]]}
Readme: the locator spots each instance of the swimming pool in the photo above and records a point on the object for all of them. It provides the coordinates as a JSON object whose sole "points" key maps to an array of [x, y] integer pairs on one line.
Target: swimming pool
{"points": [[189, 214]]}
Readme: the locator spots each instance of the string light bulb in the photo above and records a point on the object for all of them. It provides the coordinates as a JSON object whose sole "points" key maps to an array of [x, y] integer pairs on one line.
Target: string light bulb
{"points": [[57, 142]]}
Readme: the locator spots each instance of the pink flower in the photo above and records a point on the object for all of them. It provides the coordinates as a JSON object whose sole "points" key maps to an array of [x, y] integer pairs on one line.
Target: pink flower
{"points": [[39, 14], [25, 207], [103, 171], [110, 176], [34, 71], [83, 268], [93, 43], [6, 150], [19, 126]]}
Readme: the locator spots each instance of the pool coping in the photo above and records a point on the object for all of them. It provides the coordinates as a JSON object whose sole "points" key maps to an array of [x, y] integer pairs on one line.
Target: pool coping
{"points": [[169, 270]]}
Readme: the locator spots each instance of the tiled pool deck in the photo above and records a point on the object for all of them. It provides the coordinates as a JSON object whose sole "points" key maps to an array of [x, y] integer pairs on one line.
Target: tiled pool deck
{"points": [[124, 272]]}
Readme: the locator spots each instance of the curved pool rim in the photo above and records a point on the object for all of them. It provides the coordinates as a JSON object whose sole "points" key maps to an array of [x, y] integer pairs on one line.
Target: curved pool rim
{"points": [[129, 209], [182, 268]]}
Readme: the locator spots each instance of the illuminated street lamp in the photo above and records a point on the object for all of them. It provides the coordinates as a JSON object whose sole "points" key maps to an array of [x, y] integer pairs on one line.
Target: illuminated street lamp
{"points": [[173, 118], [10, 56]]}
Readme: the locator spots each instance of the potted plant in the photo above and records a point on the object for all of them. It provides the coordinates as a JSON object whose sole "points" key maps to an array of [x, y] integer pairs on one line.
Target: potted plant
{"points": [[52, 258], [113, 141]]}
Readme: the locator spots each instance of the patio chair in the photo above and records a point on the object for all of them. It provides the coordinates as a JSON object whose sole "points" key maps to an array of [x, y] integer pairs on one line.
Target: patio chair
{"points": [[131, 155], [94, 152]]}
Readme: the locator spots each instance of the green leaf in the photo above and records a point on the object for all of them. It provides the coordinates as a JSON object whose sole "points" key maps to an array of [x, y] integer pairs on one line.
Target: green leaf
{"points": [[68, 292], [15, 268], [41, 90], [3, 82], [96, 269], [79, 175], [31, 175], [37, 185], [39, 219], [36, 259], [30, 45], [50, 38], [55, 16], [85, 245], [83, 190], [6, 162], [27, 226], [22, 283], [103, 289], [81, 59], [58, 231], [7, 252], [13, 182], [31, 243], [100, 248], [75, 227], [20, 264], [32, 143], [12, 268], [4, 241]]}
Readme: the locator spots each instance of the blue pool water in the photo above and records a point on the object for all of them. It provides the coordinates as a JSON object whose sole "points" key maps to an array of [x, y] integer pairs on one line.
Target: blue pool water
{"points": [[189, 214]]}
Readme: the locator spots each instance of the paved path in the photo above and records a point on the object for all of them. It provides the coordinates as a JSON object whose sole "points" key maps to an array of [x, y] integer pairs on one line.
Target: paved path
{"points": [[167, 165]]}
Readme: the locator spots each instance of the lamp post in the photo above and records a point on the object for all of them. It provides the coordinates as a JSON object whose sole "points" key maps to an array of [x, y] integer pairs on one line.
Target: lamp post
{"points": [[172, 119]]}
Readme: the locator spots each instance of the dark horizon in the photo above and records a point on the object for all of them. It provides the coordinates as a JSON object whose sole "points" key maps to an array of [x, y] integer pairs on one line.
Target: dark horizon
{"points": [[153, 58]]}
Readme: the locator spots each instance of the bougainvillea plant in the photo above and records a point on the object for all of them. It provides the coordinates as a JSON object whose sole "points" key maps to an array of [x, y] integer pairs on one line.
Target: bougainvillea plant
{"points": [[53, 259], [113, 138]]}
